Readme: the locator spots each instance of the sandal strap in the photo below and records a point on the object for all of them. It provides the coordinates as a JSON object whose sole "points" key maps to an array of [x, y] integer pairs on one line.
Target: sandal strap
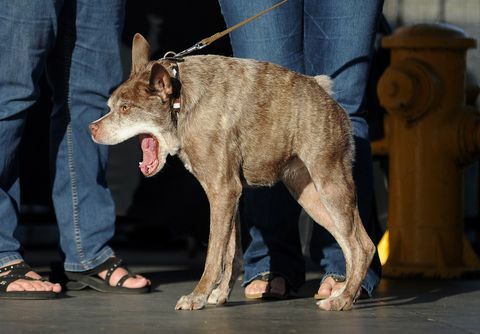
{"points": [[267, 277], [18, 269], [101, 267], [110, 266], [335, 277], [115, 264], [123, 279]]}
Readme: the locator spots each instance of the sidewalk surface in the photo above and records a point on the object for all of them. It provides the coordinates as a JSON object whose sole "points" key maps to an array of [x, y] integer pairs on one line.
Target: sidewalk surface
{"points": [[399, 306]]}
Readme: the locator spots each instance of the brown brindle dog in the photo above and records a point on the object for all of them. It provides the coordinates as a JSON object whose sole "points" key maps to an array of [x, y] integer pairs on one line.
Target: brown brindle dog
{"points": [[232, 122]]}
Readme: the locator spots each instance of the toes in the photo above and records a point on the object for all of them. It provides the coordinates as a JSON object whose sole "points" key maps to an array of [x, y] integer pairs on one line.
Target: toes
{"points": [[336, 303], [218, 296], [27, 285], [14, 286], [324, 304], [330, 288], [40, 286], [214, 296], [183, 304], [48, 286], [56, 288], [24, 285], [256, 287], [325, 289], [136, 282], [191, 302]]}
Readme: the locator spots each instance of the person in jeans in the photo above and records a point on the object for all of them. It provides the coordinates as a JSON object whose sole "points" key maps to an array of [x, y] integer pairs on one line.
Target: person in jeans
{"points": [[333, 37], [76, 43]]}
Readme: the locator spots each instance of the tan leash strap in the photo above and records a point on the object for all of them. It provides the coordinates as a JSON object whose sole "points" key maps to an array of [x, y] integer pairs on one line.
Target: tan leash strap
{"points": [[213, 38], [209, 40]]}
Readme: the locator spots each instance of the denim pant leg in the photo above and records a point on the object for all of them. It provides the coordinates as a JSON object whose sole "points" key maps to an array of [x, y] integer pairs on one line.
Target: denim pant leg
{"points": [[305, 36], [269, 214], [83, 70], [27, 30], [339, 37]]}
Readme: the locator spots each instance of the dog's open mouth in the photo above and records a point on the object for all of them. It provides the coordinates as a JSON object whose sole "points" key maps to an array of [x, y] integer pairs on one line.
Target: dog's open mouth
{"points": [[150, 147]]}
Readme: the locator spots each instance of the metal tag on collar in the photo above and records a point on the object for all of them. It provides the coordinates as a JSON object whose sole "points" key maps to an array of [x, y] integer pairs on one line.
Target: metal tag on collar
{"points": [[176, 106], [175, 72]]}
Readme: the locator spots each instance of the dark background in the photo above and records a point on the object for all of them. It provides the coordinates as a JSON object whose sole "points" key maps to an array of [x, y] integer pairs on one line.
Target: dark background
{"points": [[170, 209], [167, 210]]}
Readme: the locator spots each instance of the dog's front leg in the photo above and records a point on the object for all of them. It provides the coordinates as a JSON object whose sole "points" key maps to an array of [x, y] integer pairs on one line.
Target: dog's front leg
{"points": [[232, 266], [223, 200]]}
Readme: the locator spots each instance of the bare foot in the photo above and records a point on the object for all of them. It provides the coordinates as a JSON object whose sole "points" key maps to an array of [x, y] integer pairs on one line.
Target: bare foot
{"points": [[258, 287], [28, 285], [330, 287], [133, 282]]}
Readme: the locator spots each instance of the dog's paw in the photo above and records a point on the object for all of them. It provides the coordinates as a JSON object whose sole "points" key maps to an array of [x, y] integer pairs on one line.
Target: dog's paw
{"points": [[191, 302], [338, 303], [218, 297]]}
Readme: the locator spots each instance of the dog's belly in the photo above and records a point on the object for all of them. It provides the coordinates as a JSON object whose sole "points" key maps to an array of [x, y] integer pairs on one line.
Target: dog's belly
{"points": [[264, 174]]}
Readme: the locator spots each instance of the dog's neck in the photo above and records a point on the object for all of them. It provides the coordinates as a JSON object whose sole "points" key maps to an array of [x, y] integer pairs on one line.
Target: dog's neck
{"points": [[192, 85]]}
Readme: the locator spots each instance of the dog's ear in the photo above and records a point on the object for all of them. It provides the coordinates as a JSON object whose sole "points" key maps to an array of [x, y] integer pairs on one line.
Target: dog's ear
{"points": [[140, 53], [160, 81]]}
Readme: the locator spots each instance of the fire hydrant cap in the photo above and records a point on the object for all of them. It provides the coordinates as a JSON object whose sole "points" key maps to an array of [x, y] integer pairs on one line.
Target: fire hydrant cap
{"points": [[442, 36]]}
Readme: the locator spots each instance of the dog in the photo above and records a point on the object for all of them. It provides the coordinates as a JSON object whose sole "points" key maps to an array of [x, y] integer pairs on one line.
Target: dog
{"points": [[237, 122]]}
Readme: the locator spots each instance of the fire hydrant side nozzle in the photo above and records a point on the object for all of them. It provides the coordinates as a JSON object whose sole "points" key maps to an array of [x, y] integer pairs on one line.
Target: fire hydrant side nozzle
{"points": [[469, 136]]}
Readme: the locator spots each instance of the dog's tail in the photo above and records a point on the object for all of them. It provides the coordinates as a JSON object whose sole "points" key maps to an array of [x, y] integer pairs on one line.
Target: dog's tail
{"points": [[325, 82]]}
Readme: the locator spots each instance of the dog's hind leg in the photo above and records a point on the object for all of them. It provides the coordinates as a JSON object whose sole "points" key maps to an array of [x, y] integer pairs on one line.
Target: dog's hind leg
{"points": [[223, 197], [328, 196], [232, 266]]}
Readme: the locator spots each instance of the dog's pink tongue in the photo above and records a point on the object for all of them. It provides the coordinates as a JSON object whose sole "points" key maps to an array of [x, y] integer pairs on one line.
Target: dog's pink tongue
{"points": [[149, 149]]}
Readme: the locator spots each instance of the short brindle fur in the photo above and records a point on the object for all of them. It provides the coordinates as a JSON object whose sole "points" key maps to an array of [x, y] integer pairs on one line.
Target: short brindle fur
{"points": [[243, 122]]}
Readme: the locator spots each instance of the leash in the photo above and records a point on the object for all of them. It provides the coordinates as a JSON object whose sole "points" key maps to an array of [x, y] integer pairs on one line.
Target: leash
{"points": [[175, 105], [170, 55]]}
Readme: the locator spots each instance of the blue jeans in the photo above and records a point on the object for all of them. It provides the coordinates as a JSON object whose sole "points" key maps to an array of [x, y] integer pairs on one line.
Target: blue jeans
{"points": [[333, 37], [76, 43]]}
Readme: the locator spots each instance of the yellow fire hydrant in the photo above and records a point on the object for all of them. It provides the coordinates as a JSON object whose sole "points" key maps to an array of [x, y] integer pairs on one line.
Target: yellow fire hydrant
{"points": [[430, 136]]}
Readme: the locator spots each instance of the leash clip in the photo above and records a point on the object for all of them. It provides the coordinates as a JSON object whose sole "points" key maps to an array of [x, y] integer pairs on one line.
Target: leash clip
{"points": [[198, 46], [178, 56]]}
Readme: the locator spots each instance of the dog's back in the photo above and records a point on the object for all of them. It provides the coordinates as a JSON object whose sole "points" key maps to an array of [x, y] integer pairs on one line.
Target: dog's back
{"points": [[270, 114]]}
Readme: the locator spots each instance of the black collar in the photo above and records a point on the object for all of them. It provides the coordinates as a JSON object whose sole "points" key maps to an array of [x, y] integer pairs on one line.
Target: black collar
{"points": [[176, 103]]}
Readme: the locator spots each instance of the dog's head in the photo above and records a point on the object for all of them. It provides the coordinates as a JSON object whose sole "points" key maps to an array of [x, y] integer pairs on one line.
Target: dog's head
{"points": [[141, 106]]}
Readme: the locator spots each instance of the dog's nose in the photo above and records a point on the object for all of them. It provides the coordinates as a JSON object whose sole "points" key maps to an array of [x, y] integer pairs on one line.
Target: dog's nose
{"points": [[93, 128]]}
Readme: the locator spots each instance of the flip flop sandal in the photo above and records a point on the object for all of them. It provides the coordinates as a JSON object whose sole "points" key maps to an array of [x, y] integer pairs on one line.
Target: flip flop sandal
{"points": [[81, 280], [269, 277], [19, 271], [321, 296]]}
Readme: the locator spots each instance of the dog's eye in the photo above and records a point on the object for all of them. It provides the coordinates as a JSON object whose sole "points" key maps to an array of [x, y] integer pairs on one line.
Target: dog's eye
{"points": [[124, 108]]}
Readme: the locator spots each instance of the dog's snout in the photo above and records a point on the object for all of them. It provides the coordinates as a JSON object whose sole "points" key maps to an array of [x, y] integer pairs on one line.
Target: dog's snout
{"points": [[93, 128]]}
